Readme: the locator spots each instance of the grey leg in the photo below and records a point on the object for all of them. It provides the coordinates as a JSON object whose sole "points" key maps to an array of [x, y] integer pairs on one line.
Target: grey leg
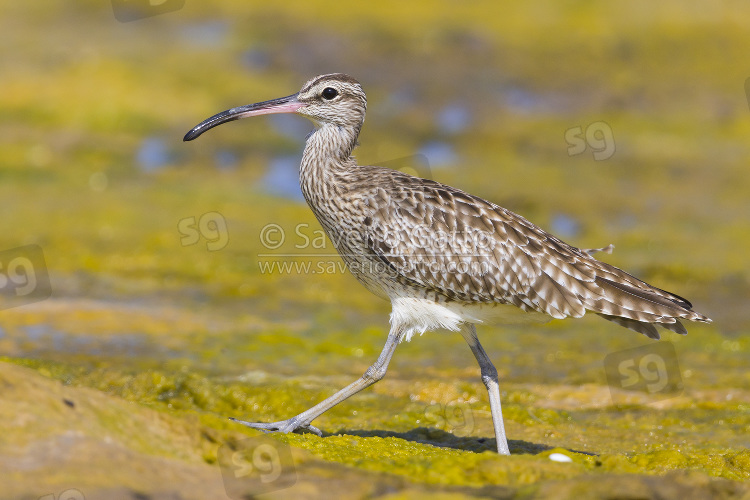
{"points": [[372, 375], [489, 377]]}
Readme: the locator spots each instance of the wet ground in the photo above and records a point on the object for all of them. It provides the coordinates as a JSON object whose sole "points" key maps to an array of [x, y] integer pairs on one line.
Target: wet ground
{"points": [[148, 293]]}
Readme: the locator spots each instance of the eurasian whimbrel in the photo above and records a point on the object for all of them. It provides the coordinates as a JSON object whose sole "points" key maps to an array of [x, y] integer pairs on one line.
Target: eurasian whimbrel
{"points": [[443, 257]]}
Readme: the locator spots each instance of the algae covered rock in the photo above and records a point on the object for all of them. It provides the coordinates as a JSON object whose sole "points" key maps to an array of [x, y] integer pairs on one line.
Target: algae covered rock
{"points": [[59, 439]]}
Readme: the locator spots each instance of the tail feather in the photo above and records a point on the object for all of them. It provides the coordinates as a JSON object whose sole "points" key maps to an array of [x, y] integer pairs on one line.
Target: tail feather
{"points": [[638, 306], [617, 276], [647, 329], [676, 327]]}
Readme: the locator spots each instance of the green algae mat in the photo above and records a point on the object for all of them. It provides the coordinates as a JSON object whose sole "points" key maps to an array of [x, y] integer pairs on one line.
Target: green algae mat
{"points": [[152, 289]]}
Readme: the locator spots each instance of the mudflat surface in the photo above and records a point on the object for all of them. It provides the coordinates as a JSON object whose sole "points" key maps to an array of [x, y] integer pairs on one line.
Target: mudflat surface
{"points": [[165, 299]]}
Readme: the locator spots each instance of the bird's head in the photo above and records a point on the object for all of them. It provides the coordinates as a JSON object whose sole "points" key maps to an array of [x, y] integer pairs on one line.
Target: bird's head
{"points": [[335, 99]]}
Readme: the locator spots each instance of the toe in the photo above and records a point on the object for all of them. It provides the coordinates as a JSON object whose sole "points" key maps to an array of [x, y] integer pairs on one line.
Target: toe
{"points": [[314, 430]]}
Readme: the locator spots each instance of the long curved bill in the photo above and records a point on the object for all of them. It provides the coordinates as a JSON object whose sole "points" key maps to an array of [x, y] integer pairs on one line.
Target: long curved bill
{"points": [[288, 104]]}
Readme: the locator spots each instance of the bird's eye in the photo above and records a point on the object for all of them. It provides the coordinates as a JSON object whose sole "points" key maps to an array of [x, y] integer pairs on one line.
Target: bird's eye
{"points": [[329, 93]]}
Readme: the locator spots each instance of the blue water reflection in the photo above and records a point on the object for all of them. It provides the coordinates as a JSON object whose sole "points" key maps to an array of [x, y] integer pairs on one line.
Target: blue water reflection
{"points": [[153, 154], [282, 177], [439, 154]]}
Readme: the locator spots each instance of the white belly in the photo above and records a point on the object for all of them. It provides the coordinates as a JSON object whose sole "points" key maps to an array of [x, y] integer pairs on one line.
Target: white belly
{"points": [[418, 315]]}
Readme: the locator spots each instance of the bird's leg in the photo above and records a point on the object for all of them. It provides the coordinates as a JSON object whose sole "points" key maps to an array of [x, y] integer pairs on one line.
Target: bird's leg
{"points": [[489, 377], [372, 375]]}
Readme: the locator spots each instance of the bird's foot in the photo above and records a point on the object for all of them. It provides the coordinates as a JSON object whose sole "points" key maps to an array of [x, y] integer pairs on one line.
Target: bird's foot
{"points": [[283, 426]]}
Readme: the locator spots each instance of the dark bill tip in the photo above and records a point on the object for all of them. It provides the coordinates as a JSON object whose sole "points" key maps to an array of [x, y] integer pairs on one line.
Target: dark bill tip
{"points": [[288, 104]]}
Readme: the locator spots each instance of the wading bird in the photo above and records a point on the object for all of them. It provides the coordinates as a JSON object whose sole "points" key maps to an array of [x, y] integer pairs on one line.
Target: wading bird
{"points": [[444, 258]]}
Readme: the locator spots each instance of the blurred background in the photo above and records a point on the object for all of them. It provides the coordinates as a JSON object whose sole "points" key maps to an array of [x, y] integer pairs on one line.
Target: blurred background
{"points": [[603, 123]]}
